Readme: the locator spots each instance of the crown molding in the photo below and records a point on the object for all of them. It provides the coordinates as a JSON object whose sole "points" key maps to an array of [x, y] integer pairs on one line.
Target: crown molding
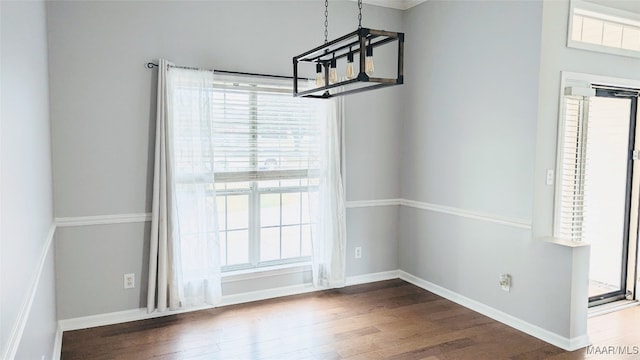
{"points": [[394, 4]]}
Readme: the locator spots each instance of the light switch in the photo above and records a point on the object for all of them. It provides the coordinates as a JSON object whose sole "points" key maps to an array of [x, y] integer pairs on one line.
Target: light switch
{"points": [[550, 177]]}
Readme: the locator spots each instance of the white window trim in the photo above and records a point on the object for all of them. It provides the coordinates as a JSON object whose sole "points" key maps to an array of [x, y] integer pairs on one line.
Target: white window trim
{"points": [[604, 13], [255, 267], [582, 80], [265, 271]]}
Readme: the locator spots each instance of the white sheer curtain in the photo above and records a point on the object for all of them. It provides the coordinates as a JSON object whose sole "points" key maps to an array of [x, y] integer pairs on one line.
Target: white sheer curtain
{"points": [[163, 288], [184, 266], [329, 246]]}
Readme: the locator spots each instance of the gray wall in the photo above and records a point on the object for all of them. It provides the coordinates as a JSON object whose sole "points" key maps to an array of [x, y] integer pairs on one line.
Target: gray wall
{"points": [[470, 139], [26, 211], [90, 263], [103, 108]]}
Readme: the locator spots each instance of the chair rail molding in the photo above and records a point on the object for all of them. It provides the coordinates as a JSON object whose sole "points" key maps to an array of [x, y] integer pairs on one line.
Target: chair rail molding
{"points": [[15, 335], [102, 219], [351, 204], [471, 214]]}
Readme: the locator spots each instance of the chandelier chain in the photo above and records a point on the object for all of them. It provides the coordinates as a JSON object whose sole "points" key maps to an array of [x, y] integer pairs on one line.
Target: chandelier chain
{"points": [[359, 14], [326, 21]]}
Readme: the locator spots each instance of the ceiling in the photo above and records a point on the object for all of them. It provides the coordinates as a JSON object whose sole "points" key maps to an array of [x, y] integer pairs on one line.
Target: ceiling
{"points": [[627, 5], [396, 4]]}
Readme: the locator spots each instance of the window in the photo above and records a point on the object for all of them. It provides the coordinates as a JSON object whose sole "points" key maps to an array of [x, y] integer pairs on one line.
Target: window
{"points": [[604, 29], [265, 161]]}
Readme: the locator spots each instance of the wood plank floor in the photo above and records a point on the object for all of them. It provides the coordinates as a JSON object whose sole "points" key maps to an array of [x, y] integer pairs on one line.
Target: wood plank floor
{"points": [[384, 320]]}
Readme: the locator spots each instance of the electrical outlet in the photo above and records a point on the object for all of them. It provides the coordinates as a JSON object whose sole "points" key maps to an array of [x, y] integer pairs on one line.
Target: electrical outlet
{"points": [[505, 282], [358, 252], [129, 281]]}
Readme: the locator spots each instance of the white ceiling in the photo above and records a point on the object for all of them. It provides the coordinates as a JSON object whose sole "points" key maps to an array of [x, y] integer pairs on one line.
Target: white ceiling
{"points": [[396, 4], [627, 5]]}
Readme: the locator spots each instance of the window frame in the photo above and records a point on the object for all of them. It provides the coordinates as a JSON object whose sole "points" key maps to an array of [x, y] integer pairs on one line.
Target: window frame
{"points": [[604, 13], [254, 193]]}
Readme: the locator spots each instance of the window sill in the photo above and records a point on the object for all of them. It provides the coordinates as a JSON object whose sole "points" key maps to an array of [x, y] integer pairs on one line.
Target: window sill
{"points": [[267, 271], [565, 242]]}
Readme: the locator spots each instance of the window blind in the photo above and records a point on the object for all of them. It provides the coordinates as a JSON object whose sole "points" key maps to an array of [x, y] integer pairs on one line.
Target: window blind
{"points": [[570, 204], [261, 132], [242, 130]]}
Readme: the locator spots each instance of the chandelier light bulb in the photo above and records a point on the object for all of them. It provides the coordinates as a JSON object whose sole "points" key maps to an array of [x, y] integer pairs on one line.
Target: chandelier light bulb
{"points": [[319, 75], [368, 61], [350, 73], [333, 73]]}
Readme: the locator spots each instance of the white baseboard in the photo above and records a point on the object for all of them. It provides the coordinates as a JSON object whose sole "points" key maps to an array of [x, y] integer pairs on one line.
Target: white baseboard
{"points": [[569, 344], [369, 278], [118, 317], [15, 336]]}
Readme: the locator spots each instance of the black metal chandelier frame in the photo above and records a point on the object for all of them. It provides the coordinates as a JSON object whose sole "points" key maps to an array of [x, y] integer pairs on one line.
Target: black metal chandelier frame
{"points": [[356, 42]]}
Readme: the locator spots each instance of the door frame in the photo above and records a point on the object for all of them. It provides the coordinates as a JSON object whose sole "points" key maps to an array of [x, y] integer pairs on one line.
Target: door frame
{"points": [[630, 226]]}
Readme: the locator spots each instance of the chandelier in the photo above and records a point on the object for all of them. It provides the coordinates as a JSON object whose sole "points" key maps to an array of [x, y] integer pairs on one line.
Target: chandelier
{"points": [[353, 77]]}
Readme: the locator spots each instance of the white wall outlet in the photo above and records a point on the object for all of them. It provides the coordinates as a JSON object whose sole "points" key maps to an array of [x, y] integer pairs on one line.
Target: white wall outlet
{"points": [[358, 252], [505, 282], [129, 281]]}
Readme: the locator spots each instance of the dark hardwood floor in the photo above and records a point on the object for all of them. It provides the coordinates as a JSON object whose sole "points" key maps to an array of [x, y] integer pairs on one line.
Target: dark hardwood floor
{"points": [[384, 320]]}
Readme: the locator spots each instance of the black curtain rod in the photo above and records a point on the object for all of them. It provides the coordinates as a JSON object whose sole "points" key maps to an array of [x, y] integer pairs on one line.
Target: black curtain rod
{"points": [[151, 65]]}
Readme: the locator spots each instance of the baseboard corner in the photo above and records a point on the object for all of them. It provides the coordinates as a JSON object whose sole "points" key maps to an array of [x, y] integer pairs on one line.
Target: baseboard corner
{"points": [[568, 344], [578, 342]]}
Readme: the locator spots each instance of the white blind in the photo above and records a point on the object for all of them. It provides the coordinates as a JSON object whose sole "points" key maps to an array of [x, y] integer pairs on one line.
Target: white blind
{"points": [[261, 132], [570, 205], [242, 128]]}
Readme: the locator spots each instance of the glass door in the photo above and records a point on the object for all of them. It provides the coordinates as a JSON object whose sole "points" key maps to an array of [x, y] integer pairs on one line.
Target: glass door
{"points": [[609, 222]]}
